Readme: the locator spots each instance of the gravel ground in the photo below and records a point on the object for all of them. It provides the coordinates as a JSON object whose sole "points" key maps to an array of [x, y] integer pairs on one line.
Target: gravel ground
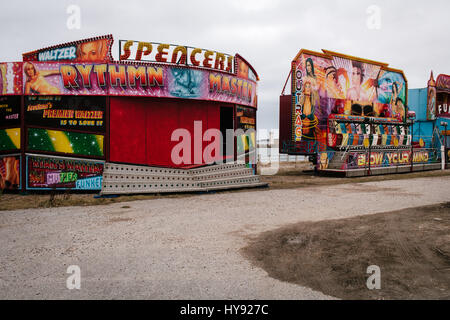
{"points": [[179, 248]]}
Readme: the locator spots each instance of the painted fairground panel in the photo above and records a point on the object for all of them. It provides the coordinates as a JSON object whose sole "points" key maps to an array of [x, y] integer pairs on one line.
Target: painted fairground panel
{"points": [[66, 112], [325, 86], [62, 173], [180, 82], [11, 78], [346, 131], [384, 158], [10, 172], [175, 54], [96, 49], [195, 73], [10, 111], [54, 78], [443, 105], [442, 96], [431, 98], [64, 142], [244, 69], [9, 123], [333, 94], [245, 117], [246, 142], [9, 139]]}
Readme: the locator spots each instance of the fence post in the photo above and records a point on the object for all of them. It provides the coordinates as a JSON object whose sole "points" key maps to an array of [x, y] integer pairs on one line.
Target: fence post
{"points": [[370, 145]]}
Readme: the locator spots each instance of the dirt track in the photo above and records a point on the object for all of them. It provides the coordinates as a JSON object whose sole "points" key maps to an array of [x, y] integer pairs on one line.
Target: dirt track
{"points": [[410, 246], [180, 248]]}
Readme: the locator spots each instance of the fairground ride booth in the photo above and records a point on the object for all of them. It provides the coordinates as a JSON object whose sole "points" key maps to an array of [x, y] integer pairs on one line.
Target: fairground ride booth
{"points": [[431, 105], [155, 121], [350, 116]]}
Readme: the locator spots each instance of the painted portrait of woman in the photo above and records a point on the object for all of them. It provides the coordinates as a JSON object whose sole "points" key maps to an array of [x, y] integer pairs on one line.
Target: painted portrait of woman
{"points": [[36, 82], [310, 74], [343, 82], [431, 104], [92, 51], [309, 100], [396, 89], [356, 92], [242, 70], [9, 173], [398, 109]]}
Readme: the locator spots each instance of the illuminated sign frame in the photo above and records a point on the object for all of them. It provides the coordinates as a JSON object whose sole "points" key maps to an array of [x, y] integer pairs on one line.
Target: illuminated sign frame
{"points": [[71, 51], [60, 173], [175, 54]]}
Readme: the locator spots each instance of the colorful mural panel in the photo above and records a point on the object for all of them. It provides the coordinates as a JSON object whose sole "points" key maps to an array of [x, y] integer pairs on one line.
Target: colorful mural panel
{"points": [[137, 80], [9, 111], [88, 50], [356, 160], [11, 78], [9, 139], [65, 142], [54, 78], [326, 84], [442, 93], [246, 119], [66, 112], [10, 172], [344, 131], [431, 103], [63, 173], [244, 70], [431, 98], [443, 82]]}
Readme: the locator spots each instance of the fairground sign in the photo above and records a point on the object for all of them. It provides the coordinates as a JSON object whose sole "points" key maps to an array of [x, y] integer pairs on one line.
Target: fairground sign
{"points": [[176, 54]]}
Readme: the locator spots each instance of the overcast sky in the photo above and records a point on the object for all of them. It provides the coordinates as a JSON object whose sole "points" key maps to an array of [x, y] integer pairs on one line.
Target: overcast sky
{"points": [[413, 35]]}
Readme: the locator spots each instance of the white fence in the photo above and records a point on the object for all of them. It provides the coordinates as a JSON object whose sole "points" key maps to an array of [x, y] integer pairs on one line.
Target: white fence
{"points": [[266, 155]]}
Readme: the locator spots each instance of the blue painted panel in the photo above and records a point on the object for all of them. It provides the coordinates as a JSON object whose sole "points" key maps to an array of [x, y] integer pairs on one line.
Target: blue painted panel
{"points": [[417, 101]]}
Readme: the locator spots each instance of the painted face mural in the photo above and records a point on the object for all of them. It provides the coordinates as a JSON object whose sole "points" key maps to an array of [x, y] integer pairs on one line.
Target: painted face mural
{"points": [[87, 50], [92, 51], [391, 86], [242, 69]]}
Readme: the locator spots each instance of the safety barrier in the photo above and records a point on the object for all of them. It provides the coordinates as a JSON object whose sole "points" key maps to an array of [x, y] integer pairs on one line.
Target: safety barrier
{"points": [[128, 179]]}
